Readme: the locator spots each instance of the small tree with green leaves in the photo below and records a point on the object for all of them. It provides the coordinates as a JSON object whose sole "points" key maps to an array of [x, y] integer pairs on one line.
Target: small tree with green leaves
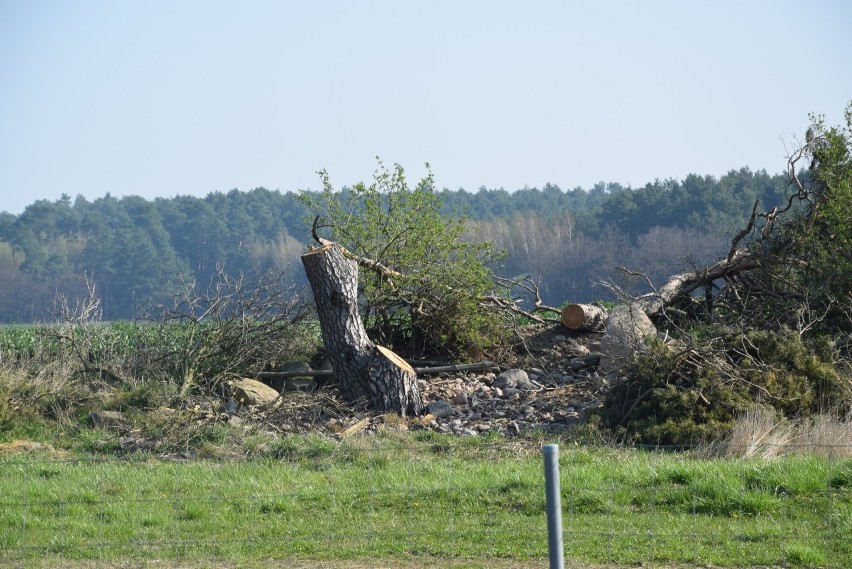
{"points": [[421, 278]]}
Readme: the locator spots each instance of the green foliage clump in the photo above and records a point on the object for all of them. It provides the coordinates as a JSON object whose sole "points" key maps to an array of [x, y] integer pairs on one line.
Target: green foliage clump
{"points": [[695, 394], [797, 376], [831, 223], [662, 401], [806, 261], [777, 329], [17, 341], [429, 299]]}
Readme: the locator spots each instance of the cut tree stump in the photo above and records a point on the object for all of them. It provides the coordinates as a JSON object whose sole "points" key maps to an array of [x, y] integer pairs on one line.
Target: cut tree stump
{"points": [[364, 370], [584, 317]]}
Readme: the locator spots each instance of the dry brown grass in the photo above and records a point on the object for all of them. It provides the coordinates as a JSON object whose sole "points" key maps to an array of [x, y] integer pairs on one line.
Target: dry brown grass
{"points": [[762, 434], [825, 436], [758, 434]]}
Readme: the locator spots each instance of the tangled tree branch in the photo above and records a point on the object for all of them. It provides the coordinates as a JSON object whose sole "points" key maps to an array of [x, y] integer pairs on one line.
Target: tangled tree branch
{"points": [[240, 322], [528, 287]]}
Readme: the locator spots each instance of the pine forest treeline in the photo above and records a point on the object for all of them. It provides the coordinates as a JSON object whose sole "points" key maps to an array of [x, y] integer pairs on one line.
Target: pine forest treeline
{"points": [[135, 250]]}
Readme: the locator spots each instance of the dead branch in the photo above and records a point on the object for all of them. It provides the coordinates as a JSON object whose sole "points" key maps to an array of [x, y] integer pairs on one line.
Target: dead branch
{"points": [[530, 286], [746, 230], [628, 272], [367, 263], [512, 306], [683, 284], [479, 366]]}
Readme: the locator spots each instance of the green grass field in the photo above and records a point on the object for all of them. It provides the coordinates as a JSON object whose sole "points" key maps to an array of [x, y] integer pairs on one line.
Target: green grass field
{"points": [[420, 501]]}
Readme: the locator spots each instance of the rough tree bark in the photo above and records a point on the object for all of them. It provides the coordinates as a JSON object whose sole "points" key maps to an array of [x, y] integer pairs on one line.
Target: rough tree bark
{"points": [[655, 303], [628, 326], [363, 370], [584, 317]]}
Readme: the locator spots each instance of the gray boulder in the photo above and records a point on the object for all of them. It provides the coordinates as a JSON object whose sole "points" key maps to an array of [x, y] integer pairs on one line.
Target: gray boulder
{"points": [[626, 331], [512, 379], [440, 409]]}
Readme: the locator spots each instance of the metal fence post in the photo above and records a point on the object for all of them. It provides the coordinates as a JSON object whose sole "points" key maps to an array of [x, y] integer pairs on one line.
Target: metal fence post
{"points": [[554, 506]]}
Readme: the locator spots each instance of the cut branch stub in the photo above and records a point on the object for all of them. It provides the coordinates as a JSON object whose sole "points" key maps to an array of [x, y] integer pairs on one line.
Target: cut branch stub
{"points": [[363, 370]]}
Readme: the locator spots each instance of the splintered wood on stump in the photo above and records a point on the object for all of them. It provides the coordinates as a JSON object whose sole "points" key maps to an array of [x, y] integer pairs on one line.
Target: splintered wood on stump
{"points": [[585, 317], [363, 369]]}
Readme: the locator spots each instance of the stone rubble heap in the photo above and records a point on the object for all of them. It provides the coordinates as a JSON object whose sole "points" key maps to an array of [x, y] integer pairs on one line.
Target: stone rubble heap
{"points": [[548, 385]]}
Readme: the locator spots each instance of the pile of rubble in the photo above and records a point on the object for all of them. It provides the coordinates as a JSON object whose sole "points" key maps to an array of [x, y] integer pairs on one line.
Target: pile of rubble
{"points": [[549, 383]]}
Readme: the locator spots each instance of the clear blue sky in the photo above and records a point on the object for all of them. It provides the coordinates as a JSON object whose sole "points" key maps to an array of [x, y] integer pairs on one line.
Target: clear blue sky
{"points": [[168, 97]]}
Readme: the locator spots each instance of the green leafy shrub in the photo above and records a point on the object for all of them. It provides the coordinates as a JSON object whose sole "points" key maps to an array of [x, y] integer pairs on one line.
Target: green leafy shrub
{"points": [[796, 376], [772, 335], [695, 394]]}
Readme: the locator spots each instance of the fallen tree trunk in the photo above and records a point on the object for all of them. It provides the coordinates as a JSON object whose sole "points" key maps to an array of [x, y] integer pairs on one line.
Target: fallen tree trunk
{"points": [[654, 303], [285, 374], [628, 326], [584, 317], [426, 370], [363, 370]]}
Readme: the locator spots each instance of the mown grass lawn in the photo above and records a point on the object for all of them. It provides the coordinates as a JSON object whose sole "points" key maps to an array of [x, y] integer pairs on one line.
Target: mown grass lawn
{"points": [[427, 500]]}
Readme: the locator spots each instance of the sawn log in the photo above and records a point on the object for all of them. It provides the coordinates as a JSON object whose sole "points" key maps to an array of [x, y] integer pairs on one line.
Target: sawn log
{"points": [[584, 317]]}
